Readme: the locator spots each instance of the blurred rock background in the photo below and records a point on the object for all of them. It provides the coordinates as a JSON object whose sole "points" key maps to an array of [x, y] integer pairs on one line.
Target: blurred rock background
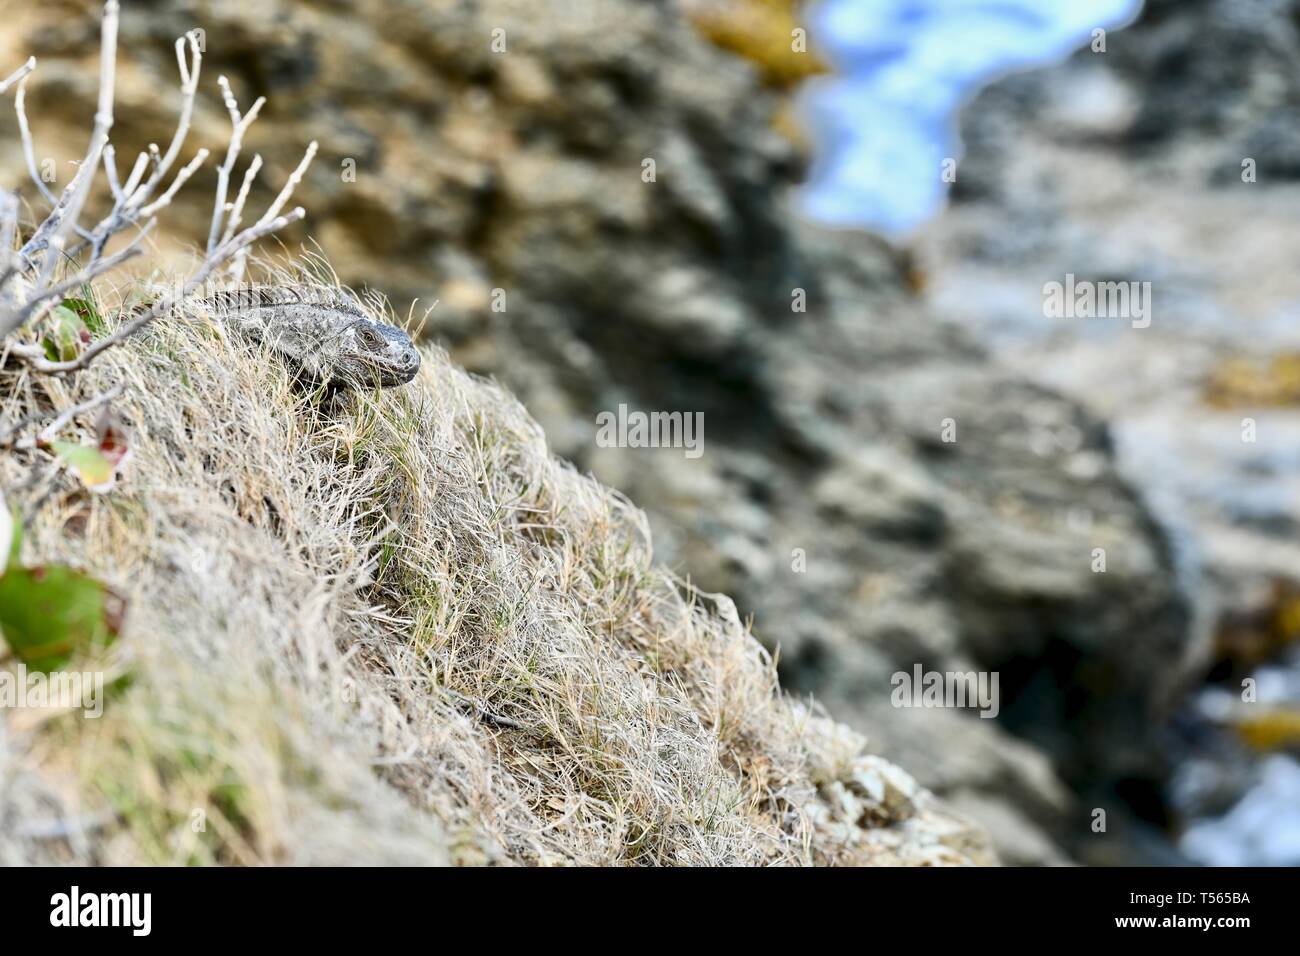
{"points": [[826, 502], [1173, 158]]}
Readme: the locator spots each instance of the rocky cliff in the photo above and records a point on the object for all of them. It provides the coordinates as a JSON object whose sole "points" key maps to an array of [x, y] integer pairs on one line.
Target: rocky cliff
{"points": [[874, 491], [1169, 158]]}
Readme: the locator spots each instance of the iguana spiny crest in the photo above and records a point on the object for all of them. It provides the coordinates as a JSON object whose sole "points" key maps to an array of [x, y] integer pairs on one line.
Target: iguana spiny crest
{"points": [[320, 331]]}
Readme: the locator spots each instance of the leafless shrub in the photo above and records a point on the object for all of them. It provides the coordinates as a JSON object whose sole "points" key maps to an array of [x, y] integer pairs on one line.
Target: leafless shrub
{"points": [[61, 255]]}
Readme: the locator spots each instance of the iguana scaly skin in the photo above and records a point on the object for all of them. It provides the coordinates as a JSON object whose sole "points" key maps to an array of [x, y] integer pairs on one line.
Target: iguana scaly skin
{"points": [[322, 333]]}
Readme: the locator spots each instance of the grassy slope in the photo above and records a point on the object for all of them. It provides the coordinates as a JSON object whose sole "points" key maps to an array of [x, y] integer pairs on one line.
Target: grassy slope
{"points": [[396, 629]]}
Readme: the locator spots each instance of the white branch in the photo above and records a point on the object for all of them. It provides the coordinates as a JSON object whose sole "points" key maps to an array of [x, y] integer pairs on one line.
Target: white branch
{"points": [[237, 209], [186, 172], [17, 75], [10, 438], [64, 215], [160, 306], [137, 173], [189, 87], [49, 431], [239, 126], [110, 173], [132, 201], [53, 295], [274, 209], [135, 199], [25, 131], [236, 270], [9, 262]]}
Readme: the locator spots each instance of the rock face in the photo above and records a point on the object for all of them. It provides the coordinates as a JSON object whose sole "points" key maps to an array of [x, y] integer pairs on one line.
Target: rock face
{"points": [[1169, 159], [1125, 165], [874, 491]]}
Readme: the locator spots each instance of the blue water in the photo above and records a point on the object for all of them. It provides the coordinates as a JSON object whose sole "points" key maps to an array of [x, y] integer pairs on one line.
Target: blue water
{"points": [[884, 123]]}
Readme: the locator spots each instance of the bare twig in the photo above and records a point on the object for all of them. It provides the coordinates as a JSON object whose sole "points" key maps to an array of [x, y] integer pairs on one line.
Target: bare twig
{"points": [[237, 208], [239, 126], [52, 429], [136, 199], [189, 87], [51, 296], [237, 261], [9, 262], [131, 202], [186, 172], [25, 132], [294, 179], [65, 213], [137, 173], [17, 75], [11, 439], [36, 359]]}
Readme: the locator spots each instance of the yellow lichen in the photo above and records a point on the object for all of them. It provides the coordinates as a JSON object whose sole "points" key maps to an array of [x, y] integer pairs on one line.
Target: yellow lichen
{"points": [[1249, 639], [1272, 730], [770, 33], [1242, 381], [1286, 617]]}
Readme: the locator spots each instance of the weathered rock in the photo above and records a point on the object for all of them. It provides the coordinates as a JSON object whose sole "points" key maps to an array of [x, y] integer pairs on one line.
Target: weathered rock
{"points": [[509, 187], [1169, 159]]}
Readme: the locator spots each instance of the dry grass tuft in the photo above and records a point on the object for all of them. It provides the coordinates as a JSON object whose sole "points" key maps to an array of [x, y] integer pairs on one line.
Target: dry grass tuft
{"points": [[391, 628]]}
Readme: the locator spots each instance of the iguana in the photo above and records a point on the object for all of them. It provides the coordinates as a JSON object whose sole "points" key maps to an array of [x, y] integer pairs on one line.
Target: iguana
{"points": [[323, 334]]}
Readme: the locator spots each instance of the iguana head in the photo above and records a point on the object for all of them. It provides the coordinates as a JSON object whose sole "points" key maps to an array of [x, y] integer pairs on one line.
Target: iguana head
{"points": [[371, 353]]}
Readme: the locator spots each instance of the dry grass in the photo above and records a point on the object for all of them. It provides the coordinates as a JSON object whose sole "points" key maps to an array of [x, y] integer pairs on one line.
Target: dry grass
{"points": [[393, 629]]}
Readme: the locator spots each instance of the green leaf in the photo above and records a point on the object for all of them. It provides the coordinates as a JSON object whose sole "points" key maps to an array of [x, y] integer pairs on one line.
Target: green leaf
{"points": [[65, 334], [86, 311], [48, 613], [90, 464]]}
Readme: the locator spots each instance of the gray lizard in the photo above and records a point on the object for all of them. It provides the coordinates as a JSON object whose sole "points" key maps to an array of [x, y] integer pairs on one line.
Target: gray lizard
{"points": [[323, 334]]}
